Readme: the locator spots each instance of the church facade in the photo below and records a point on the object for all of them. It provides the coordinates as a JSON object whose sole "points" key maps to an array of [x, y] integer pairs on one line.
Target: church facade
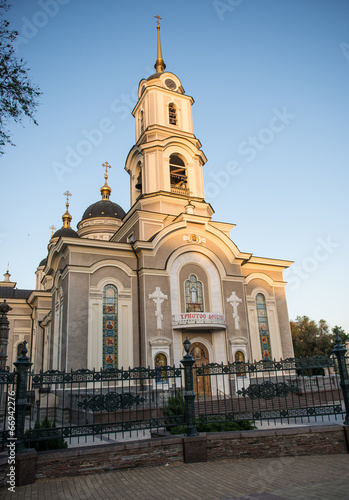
{"points": [[126, 289]]}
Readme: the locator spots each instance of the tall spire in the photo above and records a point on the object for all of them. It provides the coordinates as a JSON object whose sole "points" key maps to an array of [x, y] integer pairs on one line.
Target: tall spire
{"points": [[105, 190], [160, 63], [66, 217]]}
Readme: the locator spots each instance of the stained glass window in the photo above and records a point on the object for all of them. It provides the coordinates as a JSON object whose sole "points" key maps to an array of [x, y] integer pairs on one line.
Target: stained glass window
{"points": [[194, 300], [110, 327], [263, 327], [160, 360]]}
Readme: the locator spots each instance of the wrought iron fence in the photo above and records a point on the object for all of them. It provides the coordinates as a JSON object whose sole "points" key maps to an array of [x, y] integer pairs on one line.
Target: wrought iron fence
{"points": [[286, 391], [86, 405], [111, 404]]}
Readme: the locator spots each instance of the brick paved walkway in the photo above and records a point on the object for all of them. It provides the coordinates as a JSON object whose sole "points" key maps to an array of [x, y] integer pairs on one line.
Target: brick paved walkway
{"points": [[315, 478]]}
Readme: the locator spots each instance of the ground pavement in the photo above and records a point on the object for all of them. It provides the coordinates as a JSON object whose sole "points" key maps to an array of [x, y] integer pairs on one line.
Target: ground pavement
{"points": [[324, 477]]}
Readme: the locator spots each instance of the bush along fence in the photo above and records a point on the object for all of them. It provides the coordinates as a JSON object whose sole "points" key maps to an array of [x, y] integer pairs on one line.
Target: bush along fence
{"points": [[54, 408]]}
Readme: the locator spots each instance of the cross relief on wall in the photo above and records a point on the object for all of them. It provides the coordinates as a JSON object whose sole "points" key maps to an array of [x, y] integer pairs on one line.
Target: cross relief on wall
{"points": [[234, 300], [158, 297]]}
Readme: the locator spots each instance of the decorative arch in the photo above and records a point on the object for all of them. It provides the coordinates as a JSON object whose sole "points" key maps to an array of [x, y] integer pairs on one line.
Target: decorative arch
{"points": [[213, 276], [261, 290], [206, 344], [264, 277]]}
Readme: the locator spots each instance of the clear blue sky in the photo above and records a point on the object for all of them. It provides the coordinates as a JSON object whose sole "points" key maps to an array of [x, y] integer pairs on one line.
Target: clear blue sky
{"points": [[270, 81]]}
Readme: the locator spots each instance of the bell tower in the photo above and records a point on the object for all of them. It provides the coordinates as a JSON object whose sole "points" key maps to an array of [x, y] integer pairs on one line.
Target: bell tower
{"points": [[165, 164]]}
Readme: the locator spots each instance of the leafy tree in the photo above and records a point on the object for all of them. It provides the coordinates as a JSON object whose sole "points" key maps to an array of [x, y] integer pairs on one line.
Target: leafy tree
{"points": [[310, 338], [338, 330], [18, 96]]}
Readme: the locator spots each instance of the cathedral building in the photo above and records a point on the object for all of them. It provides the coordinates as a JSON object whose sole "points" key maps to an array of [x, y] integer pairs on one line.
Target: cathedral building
{"points": [[127, 288]]}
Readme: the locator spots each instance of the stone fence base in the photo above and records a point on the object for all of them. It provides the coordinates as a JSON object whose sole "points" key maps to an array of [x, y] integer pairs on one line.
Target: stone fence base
{"points": [[296, 441]]}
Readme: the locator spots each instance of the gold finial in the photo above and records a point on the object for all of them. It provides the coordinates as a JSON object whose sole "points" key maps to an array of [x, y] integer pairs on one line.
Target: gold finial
{"points": [[159, 64], [158, 19], [105, 190], [52, 229], [67, 194], [66, 216], [106, 166]]}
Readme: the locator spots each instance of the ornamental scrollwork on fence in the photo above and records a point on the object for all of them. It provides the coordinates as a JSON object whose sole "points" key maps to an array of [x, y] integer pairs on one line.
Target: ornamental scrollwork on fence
{"points": [[268, 390], [112, 401], [6, 377]]}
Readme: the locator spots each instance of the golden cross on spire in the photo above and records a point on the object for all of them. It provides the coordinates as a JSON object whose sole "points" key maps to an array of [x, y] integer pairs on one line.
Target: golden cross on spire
{"points": [[158, 19], [52, 229], [67, 194], [106, 166]]}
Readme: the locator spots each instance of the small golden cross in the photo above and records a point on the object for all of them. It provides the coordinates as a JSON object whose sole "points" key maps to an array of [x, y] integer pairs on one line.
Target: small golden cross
{"points": [[67, 194], [158, 18], [106, 166], [52, 229]]}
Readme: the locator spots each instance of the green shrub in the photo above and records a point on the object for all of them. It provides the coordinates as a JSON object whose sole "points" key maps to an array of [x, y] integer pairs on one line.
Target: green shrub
{"points": [[175, 407], [55, 443]]}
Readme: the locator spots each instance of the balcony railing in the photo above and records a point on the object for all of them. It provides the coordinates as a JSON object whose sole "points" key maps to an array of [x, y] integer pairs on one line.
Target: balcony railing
{"points": [[201, 320], [179, 190]]}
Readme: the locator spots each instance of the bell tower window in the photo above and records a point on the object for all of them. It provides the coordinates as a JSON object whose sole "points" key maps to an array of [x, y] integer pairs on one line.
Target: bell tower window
{"points": [[138, 184], [172, 114], [178, 175], [142, 122]]}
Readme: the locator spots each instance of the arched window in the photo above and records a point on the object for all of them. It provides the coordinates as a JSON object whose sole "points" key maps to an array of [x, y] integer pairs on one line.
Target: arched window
{"points": [[110, 327], [178, 175], [194, 300], [138, 184], [263, 327], [240, 358], [142, 121], [160, 361], [172, 114]]}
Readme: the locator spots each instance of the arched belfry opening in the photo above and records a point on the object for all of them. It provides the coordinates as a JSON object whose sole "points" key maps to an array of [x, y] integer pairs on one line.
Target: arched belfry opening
{"points": [[178, 175], [172, 114], [138, 184]]}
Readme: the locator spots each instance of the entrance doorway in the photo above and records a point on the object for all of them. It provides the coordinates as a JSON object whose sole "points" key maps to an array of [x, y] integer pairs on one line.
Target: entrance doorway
{"points": [[202, 382]]}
